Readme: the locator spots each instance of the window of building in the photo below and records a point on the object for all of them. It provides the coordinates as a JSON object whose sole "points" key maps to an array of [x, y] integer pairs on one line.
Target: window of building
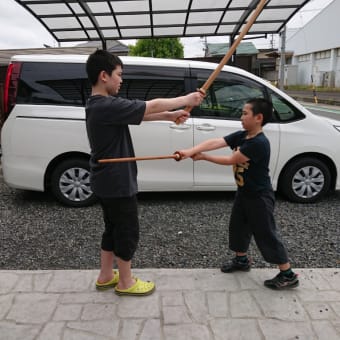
{"points": [[304, 57], [323, 54]]}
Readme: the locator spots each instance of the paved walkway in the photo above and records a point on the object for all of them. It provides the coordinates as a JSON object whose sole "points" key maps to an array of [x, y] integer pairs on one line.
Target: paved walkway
{"points": [[200, 304]]}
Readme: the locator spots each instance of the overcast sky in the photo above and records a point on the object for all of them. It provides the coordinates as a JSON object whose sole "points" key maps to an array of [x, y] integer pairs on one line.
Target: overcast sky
{"points": [[19, 29]]}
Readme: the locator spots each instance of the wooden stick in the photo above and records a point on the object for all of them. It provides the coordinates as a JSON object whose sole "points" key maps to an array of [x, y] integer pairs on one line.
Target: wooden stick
{"points": [[176, 156], [231, 51]]}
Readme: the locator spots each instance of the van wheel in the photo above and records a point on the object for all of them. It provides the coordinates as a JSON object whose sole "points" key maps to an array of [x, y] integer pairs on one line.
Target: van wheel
{"points": [[305, 180], [70, 183]]}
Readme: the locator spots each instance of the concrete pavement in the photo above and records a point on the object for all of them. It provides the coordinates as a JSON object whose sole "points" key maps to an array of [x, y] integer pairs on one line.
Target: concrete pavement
{"points": [[188, 304]]}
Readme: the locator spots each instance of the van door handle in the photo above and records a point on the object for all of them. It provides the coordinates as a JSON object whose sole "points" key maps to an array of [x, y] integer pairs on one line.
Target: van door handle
{"points": [[180, 126], [206, 127]]}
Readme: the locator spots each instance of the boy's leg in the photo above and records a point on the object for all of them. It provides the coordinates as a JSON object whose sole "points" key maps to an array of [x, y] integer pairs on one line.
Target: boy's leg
{"points": [[106, 265], [262, 223], [239, 238], [125, 276], [268, 241]]}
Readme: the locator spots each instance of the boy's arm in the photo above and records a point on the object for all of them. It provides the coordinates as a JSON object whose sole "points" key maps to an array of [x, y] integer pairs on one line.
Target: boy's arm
{"points": [[236, 158], [208, 145], [167, 104], [174, 116]]}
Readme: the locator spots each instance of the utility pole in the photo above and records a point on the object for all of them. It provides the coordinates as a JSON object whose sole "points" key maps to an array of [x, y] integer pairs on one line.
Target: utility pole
{"points": [[282, 59]]}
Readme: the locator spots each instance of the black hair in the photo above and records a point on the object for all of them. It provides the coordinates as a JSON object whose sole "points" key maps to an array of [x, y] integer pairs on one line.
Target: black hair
{"points": [[99, 61], [262, 106]]}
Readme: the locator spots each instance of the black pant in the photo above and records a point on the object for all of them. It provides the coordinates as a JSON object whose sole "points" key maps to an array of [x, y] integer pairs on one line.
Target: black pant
{"points": [[252, 215], [121, 234]]}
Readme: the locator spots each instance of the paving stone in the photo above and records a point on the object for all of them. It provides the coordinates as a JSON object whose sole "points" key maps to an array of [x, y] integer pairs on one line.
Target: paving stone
{"points": [[318, 296], [171, 282], [52, 331], [172, 298], [5, 304], [105, 328], [92, 297], [99, 311], [283, 330], [317, 278], [333, 277], [7, 281], [146, 307], [151, 330], [67, 313], [218, 304], [336, 307], [320, 311], [130, 329], [243, 305], [70, 281], [336, 325], [235, 329], [246, 282], [198, 309], [35, 308], [41, 281], [13, 331], [325, 331], [187, 332], [283, 305], [215, 280], [24, 284], [175, 315], [72, 334], [200, 304]]}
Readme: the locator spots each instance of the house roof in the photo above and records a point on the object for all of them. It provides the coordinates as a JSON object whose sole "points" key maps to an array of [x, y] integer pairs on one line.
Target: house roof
{"points": [[245, 48], [102, 20]]}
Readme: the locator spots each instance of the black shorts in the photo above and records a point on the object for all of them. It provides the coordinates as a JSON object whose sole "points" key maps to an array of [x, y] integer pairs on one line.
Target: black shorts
{"points": [[121, 234], [253, 215]]}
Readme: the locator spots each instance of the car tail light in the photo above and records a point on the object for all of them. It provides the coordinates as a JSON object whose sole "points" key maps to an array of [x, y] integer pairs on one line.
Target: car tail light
{"points": [[11, 87]]}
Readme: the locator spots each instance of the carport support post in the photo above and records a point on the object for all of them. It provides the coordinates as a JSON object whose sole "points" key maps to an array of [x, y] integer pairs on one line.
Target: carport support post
{"points": [[282, 59]]}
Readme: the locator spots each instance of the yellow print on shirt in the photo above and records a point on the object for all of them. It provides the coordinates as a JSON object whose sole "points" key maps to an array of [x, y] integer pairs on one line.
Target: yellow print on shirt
{"points": [[238, 172]]}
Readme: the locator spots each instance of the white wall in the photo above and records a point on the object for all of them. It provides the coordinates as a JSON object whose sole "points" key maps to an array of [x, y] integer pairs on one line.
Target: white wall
{"points": [[320, 34]]}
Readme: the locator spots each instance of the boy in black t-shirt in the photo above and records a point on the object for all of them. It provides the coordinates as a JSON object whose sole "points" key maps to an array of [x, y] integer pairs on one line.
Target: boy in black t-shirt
{"points": [[252, 213], [115, 184]]}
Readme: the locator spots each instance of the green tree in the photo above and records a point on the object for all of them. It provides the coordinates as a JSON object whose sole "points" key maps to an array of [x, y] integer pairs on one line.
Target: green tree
{"points": [[158, 48]]}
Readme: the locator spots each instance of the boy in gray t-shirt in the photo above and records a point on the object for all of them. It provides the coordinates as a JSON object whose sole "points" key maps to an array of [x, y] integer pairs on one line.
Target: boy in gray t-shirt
{"points": [[115, 184]]}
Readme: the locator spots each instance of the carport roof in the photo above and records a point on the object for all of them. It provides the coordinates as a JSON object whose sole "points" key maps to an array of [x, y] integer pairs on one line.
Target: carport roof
{"points": [[102, 20]]}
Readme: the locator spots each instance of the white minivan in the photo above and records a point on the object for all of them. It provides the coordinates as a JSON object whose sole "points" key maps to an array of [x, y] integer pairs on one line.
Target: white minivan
{"points": [[45, 147]]}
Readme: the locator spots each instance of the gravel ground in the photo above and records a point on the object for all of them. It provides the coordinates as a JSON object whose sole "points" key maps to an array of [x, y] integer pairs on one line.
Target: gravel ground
{"points": [[178, 230]]}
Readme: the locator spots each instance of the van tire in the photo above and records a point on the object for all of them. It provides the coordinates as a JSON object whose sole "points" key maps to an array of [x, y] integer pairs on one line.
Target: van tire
{"points": [[305, 180], [70, 183]]}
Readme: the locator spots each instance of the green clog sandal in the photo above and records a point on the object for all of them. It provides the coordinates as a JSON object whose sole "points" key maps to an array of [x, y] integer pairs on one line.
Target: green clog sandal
{"points": [[109, 284], [140, 288]]}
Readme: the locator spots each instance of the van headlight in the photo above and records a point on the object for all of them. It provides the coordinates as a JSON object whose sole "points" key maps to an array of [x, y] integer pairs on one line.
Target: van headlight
{"points": [[337, 127]]}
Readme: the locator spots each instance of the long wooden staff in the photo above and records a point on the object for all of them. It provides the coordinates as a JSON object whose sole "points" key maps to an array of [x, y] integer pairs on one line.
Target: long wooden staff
{"points": [[230, 52], [176, 156]]}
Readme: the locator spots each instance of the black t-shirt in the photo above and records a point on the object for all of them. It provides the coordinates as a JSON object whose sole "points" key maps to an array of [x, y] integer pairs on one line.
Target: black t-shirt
{"points": [[253, 175], [107, 120]]}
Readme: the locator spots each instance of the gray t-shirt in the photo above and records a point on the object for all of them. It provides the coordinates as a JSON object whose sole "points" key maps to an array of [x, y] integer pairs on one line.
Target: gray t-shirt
{"points": [[107, 120]]}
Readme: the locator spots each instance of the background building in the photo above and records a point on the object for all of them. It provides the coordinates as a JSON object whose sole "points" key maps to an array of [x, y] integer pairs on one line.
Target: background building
{"points": [[316, 48]]}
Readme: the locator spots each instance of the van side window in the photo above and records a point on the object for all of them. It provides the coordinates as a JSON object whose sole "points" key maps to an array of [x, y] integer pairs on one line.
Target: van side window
{"points": [[226, 96], [148, 83], [284, 111], [52, 83]]}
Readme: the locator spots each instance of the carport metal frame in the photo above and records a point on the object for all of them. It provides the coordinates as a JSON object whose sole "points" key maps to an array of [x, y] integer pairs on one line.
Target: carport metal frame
{"points": [[85, 16]]}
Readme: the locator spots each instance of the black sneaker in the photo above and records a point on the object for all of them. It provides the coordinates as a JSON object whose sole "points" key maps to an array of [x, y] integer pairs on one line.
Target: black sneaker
{"points": [[281, 281], [236, 265]]}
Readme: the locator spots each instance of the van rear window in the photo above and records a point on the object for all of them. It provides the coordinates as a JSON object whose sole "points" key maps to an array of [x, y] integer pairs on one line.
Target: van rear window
{"points": [[53, 83]]}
